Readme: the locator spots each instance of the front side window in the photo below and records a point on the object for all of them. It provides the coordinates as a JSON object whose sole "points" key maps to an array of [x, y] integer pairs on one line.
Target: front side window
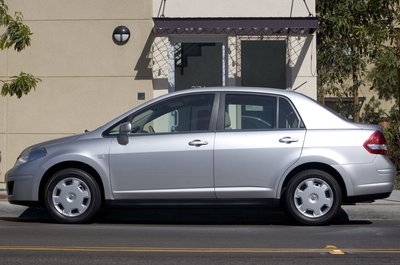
{"points": [[181, 114], [258, 112]]}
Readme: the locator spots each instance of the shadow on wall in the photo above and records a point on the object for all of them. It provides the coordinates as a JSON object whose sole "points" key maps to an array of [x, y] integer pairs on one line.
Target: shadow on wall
{"points": [[143, 65], [297, 51]]}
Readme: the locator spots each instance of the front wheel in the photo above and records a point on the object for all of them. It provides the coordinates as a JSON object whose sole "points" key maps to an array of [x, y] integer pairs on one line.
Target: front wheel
{"points": [[72, 196], [313, 197]]}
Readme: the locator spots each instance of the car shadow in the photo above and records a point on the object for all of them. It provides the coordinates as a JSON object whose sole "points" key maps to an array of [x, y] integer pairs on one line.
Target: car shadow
{"points": [[186, 216]]}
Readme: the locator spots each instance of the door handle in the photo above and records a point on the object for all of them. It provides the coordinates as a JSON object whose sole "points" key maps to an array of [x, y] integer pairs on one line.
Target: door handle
{"points": [[198, 143], [288, 140]]}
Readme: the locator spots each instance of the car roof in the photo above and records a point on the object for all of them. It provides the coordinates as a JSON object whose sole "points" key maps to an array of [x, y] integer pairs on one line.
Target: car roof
{"points": [[276, 91]]}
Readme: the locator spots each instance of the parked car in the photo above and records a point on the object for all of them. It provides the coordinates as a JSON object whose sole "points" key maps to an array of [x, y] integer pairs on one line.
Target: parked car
{"points": [[210, 145]]}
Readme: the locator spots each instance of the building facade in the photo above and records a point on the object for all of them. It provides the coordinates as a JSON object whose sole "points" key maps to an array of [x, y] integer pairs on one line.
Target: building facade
{"points": [[88, 79]]}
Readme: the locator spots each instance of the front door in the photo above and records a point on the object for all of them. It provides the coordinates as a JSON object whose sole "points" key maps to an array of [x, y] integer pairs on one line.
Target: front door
{"points": [[170, 151]]}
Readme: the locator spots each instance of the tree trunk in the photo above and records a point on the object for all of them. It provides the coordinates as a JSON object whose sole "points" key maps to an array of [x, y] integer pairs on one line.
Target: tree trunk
{"points": [[356, 111], [398, 70]]}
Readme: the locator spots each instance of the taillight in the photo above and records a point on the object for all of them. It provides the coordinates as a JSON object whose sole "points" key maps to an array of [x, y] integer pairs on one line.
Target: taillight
{"points": [[376, 144]]}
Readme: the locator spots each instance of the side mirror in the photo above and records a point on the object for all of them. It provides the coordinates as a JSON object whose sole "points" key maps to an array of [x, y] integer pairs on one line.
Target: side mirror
{"points": [[124, 131]]}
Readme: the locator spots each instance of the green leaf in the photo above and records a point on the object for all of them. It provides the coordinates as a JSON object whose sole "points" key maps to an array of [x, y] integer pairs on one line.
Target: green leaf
{"points": [[20, 85], [16, 34], [350, 35]]}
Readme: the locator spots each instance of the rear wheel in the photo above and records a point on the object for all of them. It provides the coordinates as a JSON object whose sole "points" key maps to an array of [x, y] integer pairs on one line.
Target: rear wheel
{"points": [[313, 197], [72, 196]]}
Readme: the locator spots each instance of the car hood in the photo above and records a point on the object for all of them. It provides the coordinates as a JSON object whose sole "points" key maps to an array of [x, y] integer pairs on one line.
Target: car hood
{"points": [[58, 141]]}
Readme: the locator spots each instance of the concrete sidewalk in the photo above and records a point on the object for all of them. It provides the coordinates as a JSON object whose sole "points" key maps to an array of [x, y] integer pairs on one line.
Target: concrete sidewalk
{"points": [[385, 209], [393, 199]]}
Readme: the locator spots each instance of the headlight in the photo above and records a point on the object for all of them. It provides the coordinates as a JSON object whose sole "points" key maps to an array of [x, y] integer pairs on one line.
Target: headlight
{"points": [[30, 154]]}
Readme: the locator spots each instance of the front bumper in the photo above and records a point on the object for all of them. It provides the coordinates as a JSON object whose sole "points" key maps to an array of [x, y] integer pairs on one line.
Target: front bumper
{"points": [[22, 187], [19, 190]]}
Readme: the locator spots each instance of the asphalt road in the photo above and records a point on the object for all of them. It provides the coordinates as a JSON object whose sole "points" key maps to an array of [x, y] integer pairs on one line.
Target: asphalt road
{"points": [[196, 236]]}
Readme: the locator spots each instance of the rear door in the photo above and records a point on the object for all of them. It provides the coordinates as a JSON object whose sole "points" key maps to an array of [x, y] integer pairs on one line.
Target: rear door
{"points": [[259, 137]]}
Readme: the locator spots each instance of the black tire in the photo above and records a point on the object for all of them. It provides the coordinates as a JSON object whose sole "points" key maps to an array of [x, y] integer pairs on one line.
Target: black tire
{"points": [[313, 197], [72, 196]]}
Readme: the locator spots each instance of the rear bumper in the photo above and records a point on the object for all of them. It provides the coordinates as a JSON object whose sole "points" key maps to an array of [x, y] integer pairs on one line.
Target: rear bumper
{"points": [[371, 181]]}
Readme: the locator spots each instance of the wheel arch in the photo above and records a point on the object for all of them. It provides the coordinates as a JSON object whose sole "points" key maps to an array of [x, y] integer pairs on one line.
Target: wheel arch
{"points": [[315, 165], [69, 164]]}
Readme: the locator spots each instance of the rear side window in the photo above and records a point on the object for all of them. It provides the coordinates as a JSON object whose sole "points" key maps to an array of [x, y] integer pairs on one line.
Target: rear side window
{"points": [[259, 112], [288, 118]]}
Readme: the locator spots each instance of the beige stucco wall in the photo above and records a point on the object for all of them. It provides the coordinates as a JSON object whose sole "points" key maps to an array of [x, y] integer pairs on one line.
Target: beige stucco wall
{"points": [[302, 63], [233, 8], [86, 78]]}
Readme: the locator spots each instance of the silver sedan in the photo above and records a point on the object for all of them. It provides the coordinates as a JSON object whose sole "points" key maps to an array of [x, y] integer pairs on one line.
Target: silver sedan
{"points": [[210, 146]]}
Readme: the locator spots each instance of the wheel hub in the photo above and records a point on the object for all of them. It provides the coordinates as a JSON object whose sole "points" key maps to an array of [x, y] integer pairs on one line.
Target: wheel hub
{"points": [[71, 197], [313, 198]]}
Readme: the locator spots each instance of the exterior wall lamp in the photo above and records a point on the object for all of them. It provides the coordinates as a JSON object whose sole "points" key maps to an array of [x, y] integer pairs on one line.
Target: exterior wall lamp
{"points": [[121, 35]]}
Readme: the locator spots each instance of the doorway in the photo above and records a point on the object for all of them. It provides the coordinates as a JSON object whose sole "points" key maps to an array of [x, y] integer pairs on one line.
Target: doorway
{"points": [[197, 64], [263, 63]]}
